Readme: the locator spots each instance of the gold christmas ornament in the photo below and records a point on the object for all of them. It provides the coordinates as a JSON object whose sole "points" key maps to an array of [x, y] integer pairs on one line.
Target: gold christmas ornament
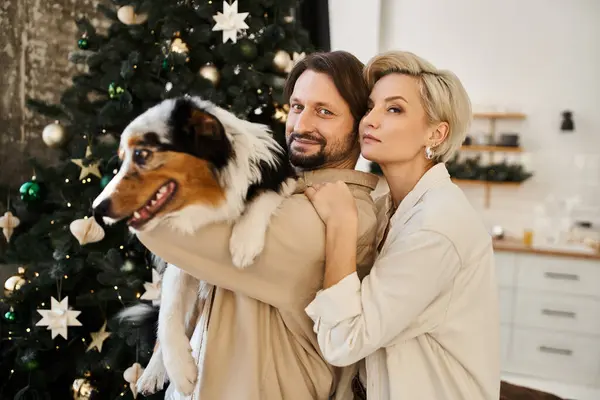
{"points": [[86, 230], [211, 73], [281, 60], [127, 15], [179, 46], [82, 389], [98, 339], [54, 135], [90, 168], [295, 58], [131, 376], [13, 283], [8, 223], [280, 115]]}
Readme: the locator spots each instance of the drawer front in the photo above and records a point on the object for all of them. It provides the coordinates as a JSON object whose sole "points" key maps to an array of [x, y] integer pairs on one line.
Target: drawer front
{"points": [[564, 357], [506, 298], [505, 268], [558, 274], [554, 312]]}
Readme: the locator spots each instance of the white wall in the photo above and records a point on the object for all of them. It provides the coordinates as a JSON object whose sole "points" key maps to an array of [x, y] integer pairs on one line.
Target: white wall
{"points": [[354, 27], [539, 57]]}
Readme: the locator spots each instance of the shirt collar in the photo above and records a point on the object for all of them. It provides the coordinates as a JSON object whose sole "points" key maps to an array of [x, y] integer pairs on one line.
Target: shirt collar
{"points": [[436, 175], [350, 176]]}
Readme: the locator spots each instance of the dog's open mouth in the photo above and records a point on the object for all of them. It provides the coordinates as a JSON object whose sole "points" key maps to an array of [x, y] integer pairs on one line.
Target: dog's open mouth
{"points": [[153, 206]]}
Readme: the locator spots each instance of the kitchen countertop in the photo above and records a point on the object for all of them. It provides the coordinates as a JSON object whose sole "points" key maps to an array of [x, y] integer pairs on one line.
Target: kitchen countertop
{"points": [[517, 246]]}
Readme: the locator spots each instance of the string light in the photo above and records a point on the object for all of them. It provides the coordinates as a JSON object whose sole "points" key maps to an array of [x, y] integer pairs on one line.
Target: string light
{"points": [[28, 330], [68, 204], [37, 274], [67, 256]]}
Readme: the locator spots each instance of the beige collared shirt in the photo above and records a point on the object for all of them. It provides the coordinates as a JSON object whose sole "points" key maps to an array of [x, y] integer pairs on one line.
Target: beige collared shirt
{"points": [[426, 318], [259, 343]]}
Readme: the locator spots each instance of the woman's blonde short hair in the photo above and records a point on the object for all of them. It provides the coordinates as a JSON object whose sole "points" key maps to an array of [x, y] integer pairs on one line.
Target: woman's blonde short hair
{"points": [[442, 95]]}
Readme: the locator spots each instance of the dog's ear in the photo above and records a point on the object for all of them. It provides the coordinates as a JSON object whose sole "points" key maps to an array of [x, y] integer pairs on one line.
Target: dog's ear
{"points": [[194, 122], [199, 133], [203, 124]]}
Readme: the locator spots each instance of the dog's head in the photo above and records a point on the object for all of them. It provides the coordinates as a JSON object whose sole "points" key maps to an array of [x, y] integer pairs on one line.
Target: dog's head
{"points": [[171, 158]]}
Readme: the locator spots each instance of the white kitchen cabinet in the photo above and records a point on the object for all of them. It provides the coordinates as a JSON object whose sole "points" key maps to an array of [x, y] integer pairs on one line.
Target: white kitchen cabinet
{"points": [[550, 316]]}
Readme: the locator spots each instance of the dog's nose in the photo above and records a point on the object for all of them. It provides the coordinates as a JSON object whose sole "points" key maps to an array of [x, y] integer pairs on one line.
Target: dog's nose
{"points": [[103, 209]]}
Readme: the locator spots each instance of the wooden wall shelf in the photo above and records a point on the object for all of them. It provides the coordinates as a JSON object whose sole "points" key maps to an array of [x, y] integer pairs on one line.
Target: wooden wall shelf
{"points": [[499, 115], [492, 117], [499, 149]]}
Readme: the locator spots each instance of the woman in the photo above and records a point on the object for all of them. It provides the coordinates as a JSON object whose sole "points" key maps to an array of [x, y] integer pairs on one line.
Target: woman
{"points": [[426, 317]]}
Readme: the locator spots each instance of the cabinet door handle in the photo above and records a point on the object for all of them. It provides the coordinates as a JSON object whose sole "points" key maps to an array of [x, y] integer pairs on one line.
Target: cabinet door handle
{"points": [[554, 350], [562, 276], [558, 313]]}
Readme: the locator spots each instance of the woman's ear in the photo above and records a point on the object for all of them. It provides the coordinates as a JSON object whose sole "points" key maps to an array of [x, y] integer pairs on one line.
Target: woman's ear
{"points": [[439, 134]]}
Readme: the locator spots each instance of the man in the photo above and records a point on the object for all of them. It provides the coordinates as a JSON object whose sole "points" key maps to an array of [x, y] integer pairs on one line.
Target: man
{"points": [[259, 344]]}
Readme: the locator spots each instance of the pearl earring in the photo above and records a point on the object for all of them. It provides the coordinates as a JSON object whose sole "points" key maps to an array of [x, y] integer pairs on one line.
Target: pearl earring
{"points": [[429, 153]]}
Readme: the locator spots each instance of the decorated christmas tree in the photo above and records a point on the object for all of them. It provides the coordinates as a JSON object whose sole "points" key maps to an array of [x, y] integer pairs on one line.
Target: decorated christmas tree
{"points": [[58, 335]]}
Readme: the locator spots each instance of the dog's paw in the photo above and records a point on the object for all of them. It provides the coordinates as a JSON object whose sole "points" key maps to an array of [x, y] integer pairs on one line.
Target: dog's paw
{"points": [[181, 368], [245, 244], [154, 377]]}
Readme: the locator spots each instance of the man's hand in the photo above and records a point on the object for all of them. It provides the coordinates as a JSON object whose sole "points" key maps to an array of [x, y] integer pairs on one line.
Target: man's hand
{"points": [[333, 201]]}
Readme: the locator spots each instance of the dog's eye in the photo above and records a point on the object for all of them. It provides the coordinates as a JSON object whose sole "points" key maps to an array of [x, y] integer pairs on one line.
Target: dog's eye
{"points": [[141, 156]]}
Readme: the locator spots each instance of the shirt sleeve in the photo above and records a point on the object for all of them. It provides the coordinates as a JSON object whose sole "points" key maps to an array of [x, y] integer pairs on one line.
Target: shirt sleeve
{"points": [[354, 319], [286, 274]]}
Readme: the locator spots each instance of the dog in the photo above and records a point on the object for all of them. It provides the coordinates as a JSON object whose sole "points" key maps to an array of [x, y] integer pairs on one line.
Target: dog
{"points": [[187, 162]]}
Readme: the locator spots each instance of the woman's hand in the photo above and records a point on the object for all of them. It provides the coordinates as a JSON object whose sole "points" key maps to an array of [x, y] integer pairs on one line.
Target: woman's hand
{"points": [[333, 201], [337, 208]]}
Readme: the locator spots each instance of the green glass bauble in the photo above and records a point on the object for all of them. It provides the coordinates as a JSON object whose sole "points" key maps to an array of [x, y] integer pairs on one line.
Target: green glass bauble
{"points": [[10, 316], [83, 43], [30, 191], [104, 181], [248, 50], [114, 90]]}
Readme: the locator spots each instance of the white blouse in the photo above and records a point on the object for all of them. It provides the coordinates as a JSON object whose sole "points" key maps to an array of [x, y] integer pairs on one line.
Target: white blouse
{"points": [[426, 318]]}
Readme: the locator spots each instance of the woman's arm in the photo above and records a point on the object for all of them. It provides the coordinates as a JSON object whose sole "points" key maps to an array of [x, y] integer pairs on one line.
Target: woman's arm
{"points": [[340, 249], [354, 319]]}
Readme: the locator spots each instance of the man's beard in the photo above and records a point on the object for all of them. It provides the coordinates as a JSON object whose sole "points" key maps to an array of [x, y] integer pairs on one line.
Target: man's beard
{"points": [[325, 155]]}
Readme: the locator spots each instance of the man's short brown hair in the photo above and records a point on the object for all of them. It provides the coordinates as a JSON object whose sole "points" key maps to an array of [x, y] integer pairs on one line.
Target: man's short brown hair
{"points": [[346, 72]]}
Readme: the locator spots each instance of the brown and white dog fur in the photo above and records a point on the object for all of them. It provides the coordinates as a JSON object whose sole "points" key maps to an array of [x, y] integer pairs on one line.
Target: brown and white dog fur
{"points": [[189, 163]]}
